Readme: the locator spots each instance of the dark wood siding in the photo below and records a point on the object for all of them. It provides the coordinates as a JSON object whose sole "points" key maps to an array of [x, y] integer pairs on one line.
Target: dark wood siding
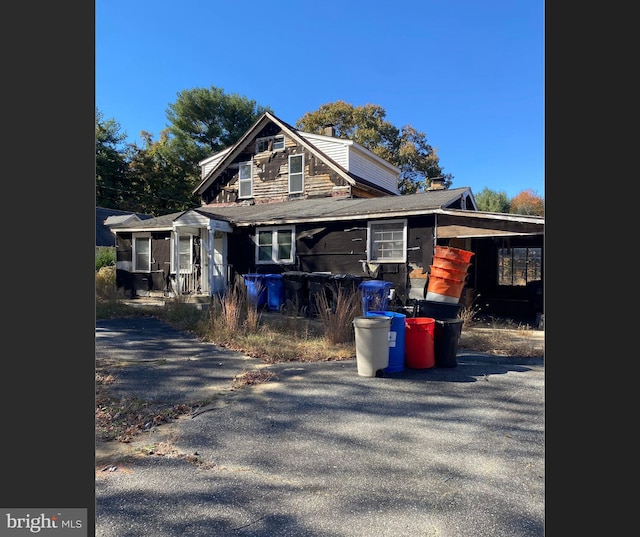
{"points": [[271, 179]]}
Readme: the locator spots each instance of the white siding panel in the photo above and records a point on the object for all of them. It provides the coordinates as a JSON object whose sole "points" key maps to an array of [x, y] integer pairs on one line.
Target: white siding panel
{"points": [[372, 171], [208, 164], [336, 151]]}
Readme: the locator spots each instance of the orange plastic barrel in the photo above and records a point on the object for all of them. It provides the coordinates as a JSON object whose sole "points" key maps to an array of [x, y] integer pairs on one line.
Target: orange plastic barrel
{"points": [[455, 254], [419, 342], [452, 274], [445, 286], [443, 262]]}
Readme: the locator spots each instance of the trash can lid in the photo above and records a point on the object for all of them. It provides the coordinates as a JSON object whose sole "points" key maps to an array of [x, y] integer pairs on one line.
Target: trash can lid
{"points": [[375, 284]]}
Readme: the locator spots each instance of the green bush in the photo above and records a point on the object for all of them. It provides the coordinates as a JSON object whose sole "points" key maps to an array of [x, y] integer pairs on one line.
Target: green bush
{"points": [[105, 257]]}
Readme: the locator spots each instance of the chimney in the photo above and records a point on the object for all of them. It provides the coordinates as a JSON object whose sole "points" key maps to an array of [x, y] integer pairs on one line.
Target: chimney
{"points": [[329, 130], [437, 183]]}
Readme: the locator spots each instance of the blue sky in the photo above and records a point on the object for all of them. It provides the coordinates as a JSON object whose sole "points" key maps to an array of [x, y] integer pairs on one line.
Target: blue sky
{"points": [[468, 74]]}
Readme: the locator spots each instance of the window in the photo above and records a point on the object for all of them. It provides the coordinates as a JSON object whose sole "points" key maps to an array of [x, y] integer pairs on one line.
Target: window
{"points": [[518, 266], [142, 253], [296, 174], [387, 241], [184, 253], [270, 143], [274, 245], [245, 182]]}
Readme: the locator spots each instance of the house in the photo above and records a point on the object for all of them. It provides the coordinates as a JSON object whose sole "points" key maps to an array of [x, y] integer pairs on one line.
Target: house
{"points": [[282, 201], [107, 217]]}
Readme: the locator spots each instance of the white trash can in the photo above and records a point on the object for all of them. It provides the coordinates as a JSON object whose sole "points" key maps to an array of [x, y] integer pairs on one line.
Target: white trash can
{"points": [[372, 344]]}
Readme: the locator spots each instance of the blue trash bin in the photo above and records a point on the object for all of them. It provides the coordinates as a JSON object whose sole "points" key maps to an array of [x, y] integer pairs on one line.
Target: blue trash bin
{"points": [[375, 295], [396, 339], [256, 289], [275, 291]]}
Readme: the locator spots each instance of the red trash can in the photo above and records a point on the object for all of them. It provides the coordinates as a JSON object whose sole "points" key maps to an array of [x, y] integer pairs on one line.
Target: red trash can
{"points": [[418, 342]]}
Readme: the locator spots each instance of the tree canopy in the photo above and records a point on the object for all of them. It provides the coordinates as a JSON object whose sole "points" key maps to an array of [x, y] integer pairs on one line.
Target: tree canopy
{"points": [[527, 202], [111, 163], [492, 201], [366, 125]]}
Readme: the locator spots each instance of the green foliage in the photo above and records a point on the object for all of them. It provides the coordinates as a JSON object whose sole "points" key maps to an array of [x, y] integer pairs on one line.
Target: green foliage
{"points": [[111, 163], [405, 148], [206, 120], [105, 257], [492, 201]]}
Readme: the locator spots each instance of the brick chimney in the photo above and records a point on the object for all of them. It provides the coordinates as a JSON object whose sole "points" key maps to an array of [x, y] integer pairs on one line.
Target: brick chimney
{"points": [[437, 183], [329, 130]]}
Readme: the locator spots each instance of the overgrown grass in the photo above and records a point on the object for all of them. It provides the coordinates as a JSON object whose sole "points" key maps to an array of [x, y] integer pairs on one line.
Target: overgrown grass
{"points": [[235, 322]]}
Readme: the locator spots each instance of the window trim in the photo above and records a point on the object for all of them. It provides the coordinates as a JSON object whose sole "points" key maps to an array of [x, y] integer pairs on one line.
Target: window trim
{"points": [[274, 245], [301, 173], [277, 138], [134, 241], [245, 180], [370, 242], [182, 237], [511, 249]]}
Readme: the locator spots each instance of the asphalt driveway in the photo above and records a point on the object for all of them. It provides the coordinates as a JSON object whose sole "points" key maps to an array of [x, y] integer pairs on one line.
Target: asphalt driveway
{"points": [[321, 451]]}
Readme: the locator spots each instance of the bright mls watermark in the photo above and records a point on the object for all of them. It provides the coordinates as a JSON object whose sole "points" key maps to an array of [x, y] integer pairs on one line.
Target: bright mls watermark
{"points": [[57, 522]]}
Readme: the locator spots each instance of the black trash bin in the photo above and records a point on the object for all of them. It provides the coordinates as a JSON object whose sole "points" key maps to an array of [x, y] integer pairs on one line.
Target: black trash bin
{"points": [[318, 282], [436, 310], [445, 341], [296, 292]]}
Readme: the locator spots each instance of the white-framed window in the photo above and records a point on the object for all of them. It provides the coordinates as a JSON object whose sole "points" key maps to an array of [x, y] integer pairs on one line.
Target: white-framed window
{"points": [[245, 180], [387, 241], [296, 174], [270, 143], [518, 266], [142, 252], [274, 245], [185, 255]]}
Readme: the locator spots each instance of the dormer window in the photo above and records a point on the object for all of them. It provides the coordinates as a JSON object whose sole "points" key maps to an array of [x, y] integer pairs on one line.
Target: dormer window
{"points": [[270, 143]]}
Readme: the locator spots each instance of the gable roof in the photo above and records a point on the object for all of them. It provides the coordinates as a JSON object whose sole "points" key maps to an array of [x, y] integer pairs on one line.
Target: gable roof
{"points": [[304, 139], [107, 217]]}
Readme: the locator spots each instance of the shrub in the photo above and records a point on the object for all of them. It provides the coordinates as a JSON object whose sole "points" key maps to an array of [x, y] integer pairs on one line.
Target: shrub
{"points": [[337, 319], [105, 257], [106, 284]]}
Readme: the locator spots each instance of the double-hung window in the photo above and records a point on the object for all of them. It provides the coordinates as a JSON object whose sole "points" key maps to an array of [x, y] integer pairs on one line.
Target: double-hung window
{"points": [[142, 252], [245, 180], [274, 245], [296, 174], [387, 241], [518, 266]]}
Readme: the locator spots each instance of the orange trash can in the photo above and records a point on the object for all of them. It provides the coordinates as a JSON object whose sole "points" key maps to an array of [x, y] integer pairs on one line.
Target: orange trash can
{"points": [[419, 342]]}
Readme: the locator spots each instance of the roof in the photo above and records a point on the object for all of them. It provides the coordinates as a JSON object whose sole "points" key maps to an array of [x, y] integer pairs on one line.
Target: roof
{"points": [[106, 217], [231, 153], [451, 222]]}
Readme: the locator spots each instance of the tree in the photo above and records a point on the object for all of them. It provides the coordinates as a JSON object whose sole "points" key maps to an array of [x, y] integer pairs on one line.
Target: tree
{"points": [[157, 180], [405, 148], [204, 121], [111, 163], [528, 202], [492, 201]]}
